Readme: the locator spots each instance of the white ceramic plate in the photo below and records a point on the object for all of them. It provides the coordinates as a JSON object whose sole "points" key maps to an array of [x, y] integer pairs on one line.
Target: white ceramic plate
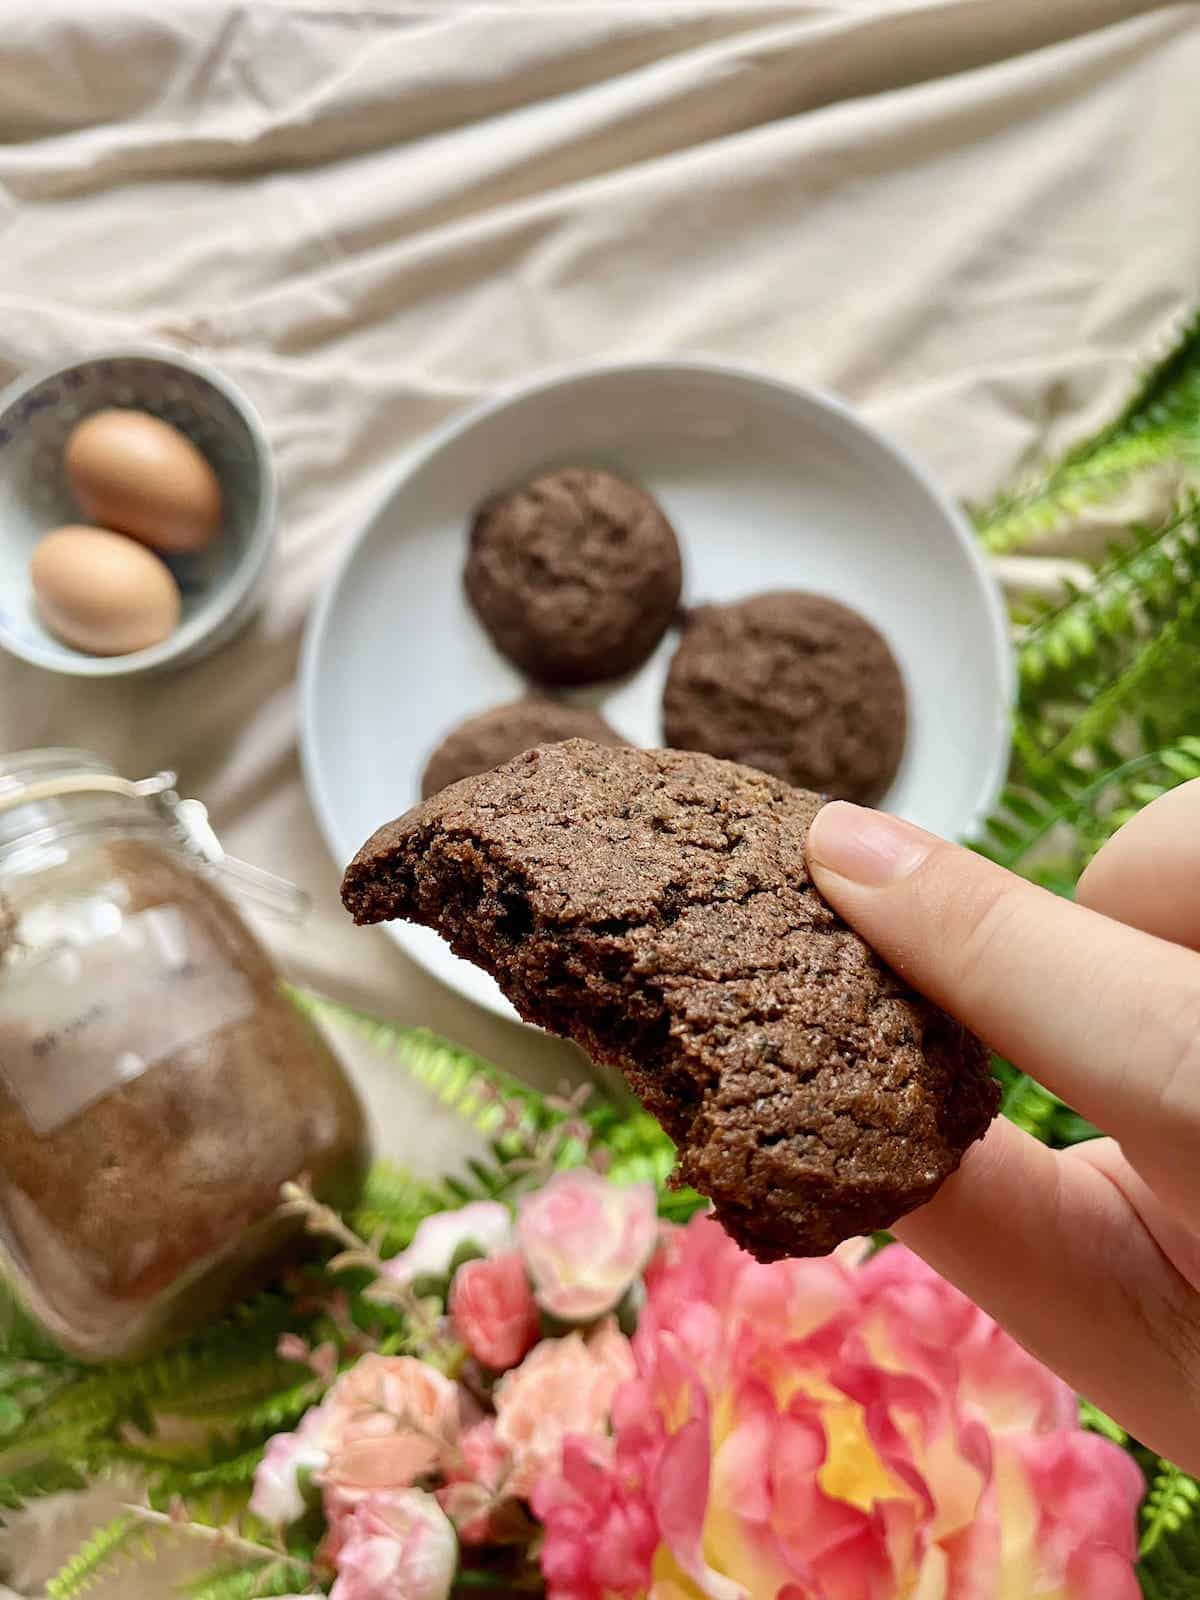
{"points": [[768, 485]]}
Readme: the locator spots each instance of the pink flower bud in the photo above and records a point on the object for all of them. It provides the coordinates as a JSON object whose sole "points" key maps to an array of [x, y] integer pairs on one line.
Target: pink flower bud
{"points": [[493, 1310]]}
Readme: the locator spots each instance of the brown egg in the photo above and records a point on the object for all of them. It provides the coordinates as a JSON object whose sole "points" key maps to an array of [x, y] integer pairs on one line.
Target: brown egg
{"points": [[102, 592], [136, 473]]}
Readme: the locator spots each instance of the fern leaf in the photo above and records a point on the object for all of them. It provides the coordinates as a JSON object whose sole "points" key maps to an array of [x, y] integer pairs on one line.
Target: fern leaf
{"points": [[481, 1094], [273, 1413], [1063, 794], [244, 1583], [1120, 652], [1158, 424], [392, 1206], [192, 1476], [1140, 582], [224, 1583], [463, 1082], [95, 1558], [1057, 493], [1169, 1550], [1172, 1503], [1169, 393], [1096, 1421], [1163, 675], [21, 1339], [220, 1358], [1030, 1106], [1171, 1572], [23, 1484]]}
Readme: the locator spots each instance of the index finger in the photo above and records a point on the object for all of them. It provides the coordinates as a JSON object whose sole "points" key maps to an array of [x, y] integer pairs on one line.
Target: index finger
{"points": [[1106, 1016]]}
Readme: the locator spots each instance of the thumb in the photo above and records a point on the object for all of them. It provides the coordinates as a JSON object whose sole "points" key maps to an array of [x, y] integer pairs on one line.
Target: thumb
{"points": [[1105, 1015]]}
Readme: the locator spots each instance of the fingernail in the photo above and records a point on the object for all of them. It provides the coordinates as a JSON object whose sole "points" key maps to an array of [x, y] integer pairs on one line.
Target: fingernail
{"points": [[867, 847]]}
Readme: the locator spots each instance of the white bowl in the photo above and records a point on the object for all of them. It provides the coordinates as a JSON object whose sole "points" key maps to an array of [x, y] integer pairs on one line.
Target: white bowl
{"points": [[220, 585], [768, 485]]}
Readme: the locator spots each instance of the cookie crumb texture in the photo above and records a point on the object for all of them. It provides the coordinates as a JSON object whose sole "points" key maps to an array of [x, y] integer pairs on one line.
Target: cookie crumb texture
{"points": [[484, 741], [576, 575], [794, 684], [654, 906]]}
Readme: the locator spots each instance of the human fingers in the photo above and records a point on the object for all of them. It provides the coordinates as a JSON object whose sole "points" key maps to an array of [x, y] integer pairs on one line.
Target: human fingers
{"points": [[1148, 874], [1105, 1015], [1179, 1242], [1053, 1249]]}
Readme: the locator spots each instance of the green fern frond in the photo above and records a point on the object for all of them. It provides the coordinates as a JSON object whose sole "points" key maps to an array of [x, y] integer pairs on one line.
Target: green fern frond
{"points": [[1163, 676], [1139, 584], [1031, 1107], [1059, 493], [194, 1476], [23, 1484], [393, 1204], [1096, 1421], [1120, 653], [1172, 1503], [1169, 393], [463, 1082], [1037, 1111], [272, 1413], [253, 1388], [96, 1558], [1095, 801], [230, 1353], [254, 1582], [480, 1093], [1170, 1573], [1169, 1549], [225, 1583], [21, 1339], [1158, 425]]}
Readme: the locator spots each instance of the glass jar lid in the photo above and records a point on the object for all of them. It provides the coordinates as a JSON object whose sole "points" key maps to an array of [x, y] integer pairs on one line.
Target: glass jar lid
{"points": [[46, 793]]}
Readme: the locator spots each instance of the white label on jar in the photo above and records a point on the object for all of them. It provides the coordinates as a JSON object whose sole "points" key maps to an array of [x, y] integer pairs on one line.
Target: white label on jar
{"points": [[76, 1022]]}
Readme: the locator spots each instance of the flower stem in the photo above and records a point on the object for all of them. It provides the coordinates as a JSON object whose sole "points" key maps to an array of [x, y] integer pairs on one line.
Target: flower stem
{"points": [[224, 1538]]}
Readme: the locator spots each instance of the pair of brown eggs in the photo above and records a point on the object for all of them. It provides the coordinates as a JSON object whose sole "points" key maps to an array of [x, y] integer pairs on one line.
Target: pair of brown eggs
{"points": [[150, 493]]}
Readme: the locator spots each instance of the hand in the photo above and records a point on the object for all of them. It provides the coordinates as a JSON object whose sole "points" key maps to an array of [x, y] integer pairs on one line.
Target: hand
{"points": [[1090, 1257]]}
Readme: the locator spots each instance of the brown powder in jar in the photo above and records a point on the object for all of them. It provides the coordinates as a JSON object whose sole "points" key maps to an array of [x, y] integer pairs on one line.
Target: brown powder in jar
{"points": [[8, 926], [170, 1169]]}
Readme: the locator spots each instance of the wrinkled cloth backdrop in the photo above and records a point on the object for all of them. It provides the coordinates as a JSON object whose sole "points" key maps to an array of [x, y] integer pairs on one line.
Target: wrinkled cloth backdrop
{"points": [[972, 218]]}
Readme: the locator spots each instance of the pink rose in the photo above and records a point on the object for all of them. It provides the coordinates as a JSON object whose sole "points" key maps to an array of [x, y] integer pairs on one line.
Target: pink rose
{"points": [[563, 1386], [854, 1432], [585, 1241], [390, 1420], [484, 1224], [493, 1310], [396, 1543]]}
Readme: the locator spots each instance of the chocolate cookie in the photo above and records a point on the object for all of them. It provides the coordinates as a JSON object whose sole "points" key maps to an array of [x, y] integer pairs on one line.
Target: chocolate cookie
{"points": [[792, 684], [654, 906], [484, 741], [576, 575]]}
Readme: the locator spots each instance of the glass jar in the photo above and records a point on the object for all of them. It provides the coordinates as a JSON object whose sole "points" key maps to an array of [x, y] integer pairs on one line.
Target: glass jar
{"points": [[156, 1085]]}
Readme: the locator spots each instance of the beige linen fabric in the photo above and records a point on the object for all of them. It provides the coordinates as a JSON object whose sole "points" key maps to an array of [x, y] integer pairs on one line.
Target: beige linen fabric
{"points": [[974, 218]]}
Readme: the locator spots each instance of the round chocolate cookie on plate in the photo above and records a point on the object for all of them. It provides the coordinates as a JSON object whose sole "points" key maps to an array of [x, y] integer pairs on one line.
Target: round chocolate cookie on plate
{"points": [[576, 575], [484, 741], [794, 684]]}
